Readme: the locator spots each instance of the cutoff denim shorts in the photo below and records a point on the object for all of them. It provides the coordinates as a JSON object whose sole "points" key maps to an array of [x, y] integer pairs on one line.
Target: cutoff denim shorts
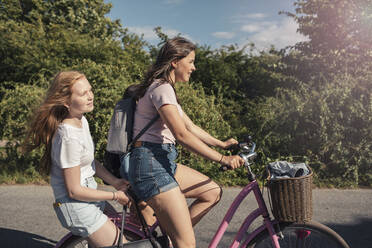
{"points": [[152, 168], [79, 217]]}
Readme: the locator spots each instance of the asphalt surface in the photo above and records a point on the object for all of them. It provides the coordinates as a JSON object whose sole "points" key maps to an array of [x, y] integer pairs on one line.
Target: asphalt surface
{"points": [[27, 218]]}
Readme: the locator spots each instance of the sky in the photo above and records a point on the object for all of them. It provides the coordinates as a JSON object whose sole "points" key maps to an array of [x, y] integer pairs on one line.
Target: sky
{"points": [[211, 22]]}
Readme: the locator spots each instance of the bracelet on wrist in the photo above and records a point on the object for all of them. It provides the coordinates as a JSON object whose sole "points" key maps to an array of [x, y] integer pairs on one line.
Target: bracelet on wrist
{"points": [[220, 159], [113, 196]]}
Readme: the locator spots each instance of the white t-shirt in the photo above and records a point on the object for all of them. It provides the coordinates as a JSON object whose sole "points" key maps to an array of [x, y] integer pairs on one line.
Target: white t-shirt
{"points": [[71, 146]]}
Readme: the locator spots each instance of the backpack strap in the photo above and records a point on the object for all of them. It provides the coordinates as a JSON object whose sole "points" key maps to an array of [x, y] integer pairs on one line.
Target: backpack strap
{"points": [[142, 131]]}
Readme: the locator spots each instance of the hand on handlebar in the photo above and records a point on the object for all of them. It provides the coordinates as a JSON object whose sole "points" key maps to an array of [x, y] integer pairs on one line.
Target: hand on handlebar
{"points": [[122, 198], [232, 162], [229, 143]]}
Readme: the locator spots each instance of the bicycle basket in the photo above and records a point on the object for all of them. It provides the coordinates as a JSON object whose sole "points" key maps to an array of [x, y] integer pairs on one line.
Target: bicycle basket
{"points": [[292, 198]]}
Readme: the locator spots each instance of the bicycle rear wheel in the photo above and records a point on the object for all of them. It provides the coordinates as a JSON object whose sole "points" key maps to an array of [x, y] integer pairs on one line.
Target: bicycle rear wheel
{"points": [[80, 242], [298, 235]]}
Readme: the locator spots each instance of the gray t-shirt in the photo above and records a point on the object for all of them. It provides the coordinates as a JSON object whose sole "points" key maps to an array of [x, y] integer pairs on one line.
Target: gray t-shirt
{"points": [[71, 146], [157, 95]]}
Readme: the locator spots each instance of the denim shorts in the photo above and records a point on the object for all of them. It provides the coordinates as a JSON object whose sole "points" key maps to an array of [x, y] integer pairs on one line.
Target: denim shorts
{"points": [[79, 217], [152, 168]]}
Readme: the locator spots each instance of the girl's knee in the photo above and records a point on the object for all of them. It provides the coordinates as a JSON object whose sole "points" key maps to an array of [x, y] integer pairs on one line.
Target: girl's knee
{"points": [[213, 195], [218, 193], [221, 192]]}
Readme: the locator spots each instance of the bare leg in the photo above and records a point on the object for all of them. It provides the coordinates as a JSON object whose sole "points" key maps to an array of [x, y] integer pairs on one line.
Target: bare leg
{"points": [[194, 184], [172, 211], [147, 212], [107, 235]]}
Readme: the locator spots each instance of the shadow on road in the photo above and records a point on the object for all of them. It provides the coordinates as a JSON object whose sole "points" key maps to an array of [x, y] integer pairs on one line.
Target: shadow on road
{"points": [[12, 238], [357, 234]]}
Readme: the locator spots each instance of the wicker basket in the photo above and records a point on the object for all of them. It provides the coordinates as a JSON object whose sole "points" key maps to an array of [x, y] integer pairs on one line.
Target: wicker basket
{"points": [[292, 198]]}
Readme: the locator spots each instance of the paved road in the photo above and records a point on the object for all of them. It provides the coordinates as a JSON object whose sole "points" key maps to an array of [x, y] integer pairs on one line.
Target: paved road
{"points": [[27, 218]]}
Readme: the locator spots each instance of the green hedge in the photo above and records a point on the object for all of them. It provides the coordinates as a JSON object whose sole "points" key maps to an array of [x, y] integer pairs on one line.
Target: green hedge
{"points": [[329, 126], [298, 105], [17, 105]]}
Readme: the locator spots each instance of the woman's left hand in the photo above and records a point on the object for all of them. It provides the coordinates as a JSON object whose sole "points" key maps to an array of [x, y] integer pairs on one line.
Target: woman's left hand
{"points": [[229, 143], [121, 184], [122, 198]]}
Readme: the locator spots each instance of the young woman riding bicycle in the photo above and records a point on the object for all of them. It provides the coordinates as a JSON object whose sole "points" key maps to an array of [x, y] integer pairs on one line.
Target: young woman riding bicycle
{"points": [[59, 125], [153, 173]]}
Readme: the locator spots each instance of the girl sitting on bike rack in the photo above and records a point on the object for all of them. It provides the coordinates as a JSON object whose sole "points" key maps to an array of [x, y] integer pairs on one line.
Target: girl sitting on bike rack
{"points": [[59, 125], [153, 173]]}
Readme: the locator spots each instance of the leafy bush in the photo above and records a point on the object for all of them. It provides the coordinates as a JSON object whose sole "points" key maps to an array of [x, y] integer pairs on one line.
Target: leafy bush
{"points": [[311, 103], [205, 112], [15, 108], [38, 39], [17, 104], [328, 125]]}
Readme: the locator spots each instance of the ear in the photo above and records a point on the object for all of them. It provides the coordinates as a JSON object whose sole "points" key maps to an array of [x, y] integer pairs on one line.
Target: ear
{"points": [[67, 105], [174, 63]]}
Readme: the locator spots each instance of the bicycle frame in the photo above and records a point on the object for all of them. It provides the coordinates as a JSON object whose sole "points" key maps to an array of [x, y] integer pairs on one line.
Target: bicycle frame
{"points": [[260, 211], [247, 153]]}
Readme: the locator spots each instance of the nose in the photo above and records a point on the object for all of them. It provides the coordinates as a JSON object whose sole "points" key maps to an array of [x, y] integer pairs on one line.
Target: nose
{"points": [[91, 95], [193, 68]]}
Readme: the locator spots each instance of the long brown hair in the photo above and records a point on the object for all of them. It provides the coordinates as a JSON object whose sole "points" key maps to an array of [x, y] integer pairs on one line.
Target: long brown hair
{"points": [[174, 49], [49, 115]]}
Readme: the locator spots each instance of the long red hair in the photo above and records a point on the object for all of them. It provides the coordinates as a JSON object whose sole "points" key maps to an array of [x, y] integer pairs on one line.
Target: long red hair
{"points": [[49, 115]]}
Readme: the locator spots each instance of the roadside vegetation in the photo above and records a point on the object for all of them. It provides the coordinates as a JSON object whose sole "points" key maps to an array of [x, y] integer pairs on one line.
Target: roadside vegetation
{"points": [[309, 103]]}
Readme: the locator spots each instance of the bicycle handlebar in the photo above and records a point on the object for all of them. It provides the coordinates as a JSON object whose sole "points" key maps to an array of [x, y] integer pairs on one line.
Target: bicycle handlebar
{"points": [[246, 151]]}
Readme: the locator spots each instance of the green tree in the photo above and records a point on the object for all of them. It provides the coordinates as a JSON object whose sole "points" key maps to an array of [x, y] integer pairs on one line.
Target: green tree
{"points": [[39, 38], [329, 127], [339, 33], [334, 64]]}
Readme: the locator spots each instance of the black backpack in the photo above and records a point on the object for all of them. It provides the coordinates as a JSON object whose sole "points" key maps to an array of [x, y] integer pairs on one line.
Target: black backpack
{"points": [[119, 139]]}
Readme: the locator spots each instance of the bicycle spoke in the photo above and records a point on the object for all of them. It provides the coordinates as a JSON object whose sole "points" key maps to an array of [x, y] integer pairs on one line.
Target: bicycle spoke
{"points": [[301, 236]]}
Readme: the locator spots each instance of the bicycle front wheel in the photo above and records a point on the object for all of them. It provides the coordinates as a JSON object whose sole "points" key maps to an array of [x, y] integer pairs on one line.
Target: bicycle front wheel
{"points": [[298, 235], [80, 242]]}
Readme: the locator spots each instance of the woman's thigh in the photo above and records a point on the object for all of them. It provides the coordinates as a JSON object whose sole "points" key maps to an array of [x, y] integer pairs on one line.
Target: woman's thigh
{"points": [[172, 211], [107, 235], [194, 184]]}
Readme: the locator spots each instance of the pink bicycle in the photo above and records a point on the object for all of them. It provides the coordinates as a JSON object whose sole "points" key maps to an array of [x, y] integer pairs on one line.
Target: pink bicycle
{"points": [[271, 234]]}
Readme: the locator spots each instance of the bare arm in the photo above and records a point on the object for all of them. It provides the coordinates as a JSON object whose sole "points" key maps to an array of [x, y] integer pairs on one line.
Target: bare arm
{"points": [[78, 192], [176, 124], [206, 137], [105, 175]]}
